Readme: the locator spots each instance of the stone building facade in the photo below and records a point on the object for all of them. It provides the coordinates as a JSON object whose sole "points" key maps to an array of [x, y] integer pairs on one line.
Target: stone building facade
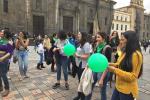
{"points": [[47, 16], [121, 22], [146, 32], [136, 12]]}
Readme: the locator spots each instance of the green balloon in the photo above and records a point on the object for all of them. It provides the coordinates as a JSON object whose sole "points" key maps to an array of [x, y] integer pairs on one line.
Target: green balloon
{"points": [[69, 49], [98, 62]]}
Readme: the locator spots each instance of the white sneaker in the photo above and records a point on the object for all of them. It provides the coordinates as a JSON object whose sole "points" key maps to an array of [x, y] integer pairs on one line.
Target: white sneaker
{"points": [[97, 85], [8, 77]]}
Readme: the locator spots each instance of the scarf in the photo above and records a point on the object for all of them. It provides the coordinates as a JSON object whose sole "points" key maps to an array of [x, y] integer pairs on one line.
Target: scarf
{"points": [[100, 47], [3, 41]]}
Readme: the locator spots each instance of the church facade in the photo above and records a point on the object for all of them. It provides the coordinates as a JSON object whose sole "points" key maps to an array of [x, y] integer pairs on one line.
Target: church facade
{"points": [[48, 16]]}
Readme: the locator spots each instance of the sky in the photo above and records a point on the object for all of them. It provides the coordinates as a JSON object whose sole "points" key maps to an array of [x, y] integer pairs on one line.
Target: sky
{"points": [[121, 3]]}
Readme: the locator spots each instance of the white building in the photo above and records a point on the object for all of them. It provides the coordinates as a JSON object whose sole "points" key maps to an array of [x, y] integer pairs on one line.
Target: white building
{"points": [[121, 21], [129, 18]]}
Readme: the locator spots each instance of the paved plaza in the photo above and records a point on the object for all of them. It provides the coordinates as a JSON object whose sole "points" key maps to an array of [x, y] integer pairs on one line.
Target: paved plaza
{"points": [[39, 85]]}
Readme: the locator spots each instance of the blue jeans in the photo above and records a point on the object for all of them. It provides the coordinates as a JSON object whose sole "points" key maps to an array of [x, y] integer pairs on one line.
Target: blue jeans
{"points": [[62, 63], [120, 96], [96, 77], [41, 58], [3, 74], [23, 62]]}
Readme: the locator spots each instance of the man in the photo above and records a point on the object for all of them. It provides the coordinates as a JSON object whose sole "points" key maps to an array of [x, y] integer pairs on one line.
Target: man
{"points": [[6, 50]]}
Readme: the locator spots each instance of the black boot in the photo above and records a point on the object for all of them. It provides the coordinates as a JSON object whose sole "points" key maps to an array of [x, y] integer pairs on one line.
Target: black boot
{"points": [[5, 93], [42, 66], [39, 66], [78, 96], [1, 85]]}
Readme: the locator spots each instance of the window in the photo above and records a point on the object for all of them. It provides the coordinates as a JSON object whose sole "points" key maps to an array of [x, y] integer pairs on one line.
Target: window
{"points": [[126, 27], [147, 35], [121, 27], [117, 27], [126, 19], [113, 26], [5, 6], [117, 18], [121, 18], [143, 34]]}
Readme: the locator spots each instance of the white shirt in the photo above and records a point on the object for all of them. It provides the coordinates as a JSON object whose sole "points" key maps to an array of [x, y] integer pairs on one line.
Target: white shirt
{"points": [[86, 49], [40, 48]]}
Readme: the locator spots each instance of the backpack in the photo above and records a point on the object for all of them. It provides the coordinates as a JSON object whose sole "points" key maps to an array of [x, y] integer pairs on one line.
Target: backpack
{"points": [[104, 50]]}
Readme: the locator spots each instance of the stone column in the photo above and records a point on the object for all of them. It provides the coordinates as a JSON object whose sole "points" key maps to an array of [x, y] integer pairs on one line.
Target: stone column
{"points": [[57, 15], [29, 21], [1, 7]]}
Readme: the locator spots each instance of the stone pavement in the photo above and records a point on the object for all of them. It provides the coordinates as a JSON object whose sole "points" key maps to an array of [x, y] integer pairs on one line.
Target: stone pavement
{"points": [[39, 85]]}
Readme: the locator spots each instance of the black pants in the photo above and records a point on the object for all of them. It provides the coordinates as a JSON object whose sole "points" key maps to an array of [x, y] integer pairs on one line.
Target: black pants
{"points": [[71, 61], [121, 96], [3, 75], [80, 71]]}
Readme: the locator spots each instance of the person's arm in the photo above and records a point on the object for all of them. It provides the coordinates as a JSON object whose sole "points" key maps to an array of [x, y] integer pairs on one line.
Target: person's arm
{"points": [[102, 78], [108, 52], [118, 61], [17, 44], [25, 45], [137, 61], [87, 52], [6, 56], [8, 48]]}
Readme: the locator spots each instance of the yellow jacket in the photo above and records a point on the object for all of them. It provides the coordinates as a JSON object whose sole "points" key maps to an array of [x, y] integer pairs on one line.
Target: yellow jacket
{"points": [[47, 43], [127, 82]]}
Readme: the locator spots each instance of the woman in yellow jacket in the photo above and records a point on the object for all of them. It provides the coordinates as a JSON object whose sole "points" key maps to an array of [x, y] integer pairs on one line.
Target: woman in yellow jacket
{"points": [[128, 68]]}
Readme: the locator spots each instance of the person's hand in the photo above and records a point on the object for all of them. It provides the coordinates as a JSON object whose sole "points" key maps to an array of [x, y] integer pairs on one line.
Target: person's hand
{"points": [[111, 68], [1, 60], [111, 64], [101, 83], [77, 55], [10, 42], [55, 49]]}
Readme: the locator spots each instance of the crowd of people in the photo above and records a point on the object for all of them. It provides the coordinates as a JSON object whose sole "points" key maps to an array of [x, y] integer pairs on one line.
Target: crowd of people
{"points": [[124, 56]]}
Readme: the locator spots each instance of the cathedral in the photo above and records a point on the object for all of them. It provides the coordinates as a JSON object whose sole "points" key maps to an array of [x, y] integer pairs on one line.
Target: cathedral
{"points": [[48, 16]]}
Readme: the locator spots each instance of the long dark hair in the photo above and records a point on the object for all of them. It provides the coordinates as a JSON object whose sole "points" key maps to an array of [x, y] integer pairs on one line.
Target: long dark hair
{"points": [[116, 39], [7, 34], [83, 38], [25, 36], [132, 46], [104, 36], [62, 35]]}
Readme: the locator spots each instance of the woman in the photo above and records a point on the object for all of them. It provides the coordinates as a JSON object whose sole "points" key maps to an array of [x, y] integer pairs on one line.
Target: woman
{"points": [[40, 52], [82, 54], [21, 45], [47, 45], [6, 50], [102, 77], [128, 68], [51, 53], [61, 59], [114, 40]]}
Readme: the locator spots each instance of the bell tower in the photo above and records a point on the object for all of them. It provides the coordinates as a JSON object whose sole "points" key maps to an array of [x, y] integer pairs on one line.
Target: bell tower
{"points": [[138, 3], [137, 16]]}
